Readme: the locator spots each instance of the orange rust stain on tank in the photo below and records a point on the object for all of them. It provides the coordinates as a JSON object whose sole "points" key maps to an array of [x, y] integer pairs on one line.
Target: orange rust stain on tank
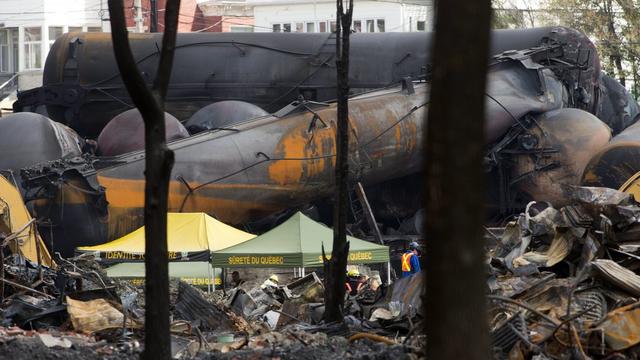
{"points": [[126, 200], [130, 192], [321, 147], [304, 152], [399, 141], [412, 136], [291, 146]]}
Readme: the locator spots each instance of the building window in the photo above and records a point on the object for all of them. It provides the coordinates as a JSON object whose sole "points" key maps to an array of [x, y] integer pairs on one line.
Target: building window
{"points": [[299, 27], [421, 25], [323, 26], [54, 33], [357, 26], [32, 47], [333, 26], [281, 27], [311, 27], [370, 27], [4, 51], [380, 25], [240, 28], [75, 29], [15, 46], [94, 29]]}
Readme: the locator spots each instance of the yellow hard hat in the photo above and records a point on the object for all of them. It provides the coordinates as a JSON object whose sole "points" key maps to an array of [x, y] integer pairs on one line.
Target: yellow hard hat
{"points": [[273, 278], [353, 273]]}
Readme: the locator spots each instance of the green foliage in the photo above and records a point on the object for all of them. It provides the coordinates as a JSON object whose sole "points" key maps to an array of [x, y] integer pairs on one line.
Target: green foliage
{"points": [[613, 25], [508, 16]]}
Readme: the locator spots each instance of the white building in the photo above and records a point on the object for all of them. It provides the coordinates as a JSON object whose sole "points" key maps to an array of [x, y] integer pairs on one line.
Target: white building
{"points": [[29, 27], [320, 15]]}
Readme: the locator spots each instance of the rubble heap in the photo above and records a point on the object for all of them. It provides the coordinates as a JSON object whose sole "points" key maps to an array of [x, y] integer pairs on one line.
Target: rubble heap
{"points": [[76, 311], [563, 282]]}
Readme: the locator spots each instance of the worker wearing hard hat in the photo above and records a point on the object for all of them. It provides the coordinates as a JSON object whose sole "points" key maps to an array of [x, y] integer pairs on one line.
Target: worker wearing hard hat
{"points": [[410, 261], [271, 283]]}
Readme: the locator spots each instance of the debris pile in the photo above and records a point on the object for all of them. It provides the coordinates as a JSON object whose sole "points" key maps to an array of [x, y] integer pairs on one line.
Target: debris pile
{"points": [[563, 282], [76, 311]]}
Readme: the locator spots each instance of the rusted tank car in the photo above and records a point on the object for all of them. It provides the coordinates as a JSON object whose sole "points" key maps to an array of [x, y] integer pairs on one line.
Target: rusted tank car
{"points": [[82, 86], [243, 173], [537, 98], [615, 163]]}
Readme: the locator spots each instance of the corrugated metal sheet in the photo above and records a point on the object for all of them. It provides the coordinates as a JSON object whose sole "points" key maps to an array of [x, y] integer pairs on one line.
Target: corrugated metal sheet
{"points": [[617, 275]]}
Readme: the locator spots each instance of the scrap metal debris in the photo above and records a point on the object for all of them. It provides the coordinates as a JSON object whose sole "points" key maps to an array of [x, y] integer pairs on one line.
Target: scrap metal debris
{"points": [[563, 283], [75, 310]]}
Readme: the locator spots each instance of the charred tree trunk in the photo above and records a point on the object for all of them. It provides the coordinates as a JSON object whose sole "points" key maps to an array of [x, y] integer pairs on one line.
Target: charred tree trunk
{"points": [[335, 268], [455, 191], [159, 161], [153, 18], [616, 58]]}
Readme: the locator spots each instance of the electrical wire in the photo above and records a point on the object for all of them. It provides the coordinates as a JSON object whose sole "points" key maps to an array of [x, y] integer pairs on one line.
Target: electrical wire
{"points": [[191, 190]]}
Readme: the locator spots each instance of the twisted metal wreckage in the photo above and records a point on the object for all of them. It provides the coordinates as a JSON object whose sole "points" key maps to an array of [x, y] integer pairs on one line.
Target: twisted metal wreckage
{"points": [[550, 110]]}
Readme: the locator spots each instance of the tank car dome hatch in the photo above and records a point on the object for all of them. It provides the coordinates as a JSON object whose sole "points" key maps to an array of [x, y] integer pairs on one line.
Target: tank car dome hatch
{"points": [[223, 114], [28, 138], [125, 133]]}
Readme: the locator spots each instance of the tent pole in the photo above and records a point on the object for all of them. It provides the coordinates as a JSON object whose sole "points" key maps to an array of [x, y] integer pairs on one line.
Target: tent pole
{"points": [[212, 280], [388, 273]]}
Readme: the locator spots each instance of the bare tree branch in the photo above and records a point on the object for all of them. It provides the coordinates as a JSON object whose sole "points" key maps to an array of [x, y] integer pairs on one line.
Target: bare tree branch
{"points": [[135, 84], [161, 83], [158, 164]]}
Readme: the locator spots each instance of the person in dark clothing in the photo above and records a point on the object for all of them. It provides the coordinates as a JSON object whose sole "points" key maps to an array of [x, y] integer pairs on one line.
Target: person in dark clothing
{"points": [[235, 279]]}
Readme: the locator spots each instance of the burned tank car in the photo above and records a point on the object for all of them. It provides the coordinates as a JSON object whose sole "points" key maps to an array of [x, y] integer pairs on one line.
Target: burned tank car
{"points": [[125, 133], [83, 89], [239, 174], [266, 69], [261, 167], [615, 163], [222, 114], [27, 139]]}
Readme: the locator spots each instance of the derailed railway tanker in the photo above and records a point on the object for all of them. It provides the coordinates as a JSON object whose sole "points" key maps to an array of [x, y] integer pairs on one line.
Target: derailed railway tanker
{"points": [[82, 87], [549, 110]]}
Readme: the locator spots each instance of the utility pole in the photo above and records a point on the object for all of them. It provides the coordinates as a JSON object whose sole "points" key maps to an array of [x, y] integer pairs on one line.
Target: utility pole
{"points": [[139, 19], [154, 16], [335, 268], [456, 314], [158, 163]]}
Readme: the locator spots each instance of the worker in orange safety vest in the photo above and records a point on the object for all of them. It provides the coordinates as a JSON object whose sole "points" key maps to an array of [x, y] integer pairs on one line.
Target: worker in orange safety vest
{"points": [[410, 261]]}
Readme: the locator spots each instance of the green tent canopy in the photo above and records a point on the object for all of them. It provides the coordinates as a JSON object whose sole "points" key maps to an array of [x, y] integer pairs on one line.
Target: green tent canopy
{"points": [[295, 243], [196, 273]]}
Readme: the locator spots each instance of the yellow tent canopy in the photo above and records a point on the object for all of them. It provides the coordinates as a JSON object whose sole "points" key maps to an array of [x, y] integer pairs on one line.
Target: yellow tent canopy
{"points": [[15, 217], [190, 237]]}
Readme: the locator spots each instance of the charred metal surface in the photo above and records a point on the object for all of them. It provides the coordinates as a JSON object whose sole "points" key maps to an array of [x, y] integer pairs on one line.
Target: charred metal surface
{"points": [[617, 107], [27, 139], [83, 89], [67, 201], [125, 133], [222, 114], [574, 135], [540, 133], [615, 163], [239, 174]]}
